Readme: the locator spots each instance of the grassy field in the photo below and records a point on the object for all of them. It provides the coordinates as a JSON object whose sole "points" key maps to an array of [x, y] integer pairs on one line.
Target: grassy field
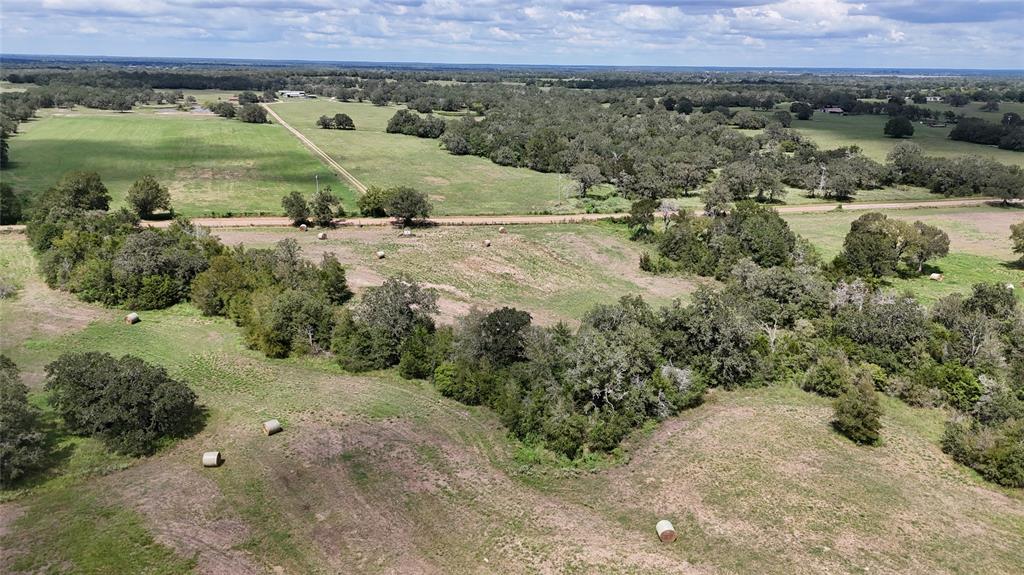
{"points": [[456, 184], [833, 131], [556, 272], [378, 475], [211, 165], [979, 251]]}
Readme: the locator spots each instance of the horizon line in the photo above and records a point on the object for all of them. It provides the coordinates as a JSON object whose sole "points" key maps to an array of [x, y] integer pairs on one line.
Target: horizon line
{"points": [[505, 65]]}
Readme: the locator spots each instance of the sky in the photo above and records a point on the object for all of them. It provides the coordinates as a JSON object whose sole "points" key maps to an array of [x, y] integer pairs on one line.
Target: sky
{"points": [[986, 34]]}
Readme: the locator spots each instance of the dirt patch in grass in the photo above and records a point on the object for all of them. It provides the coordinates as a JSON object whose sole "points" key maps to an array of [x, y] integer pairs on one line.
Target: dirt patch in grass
{"points": [[186, 512]]}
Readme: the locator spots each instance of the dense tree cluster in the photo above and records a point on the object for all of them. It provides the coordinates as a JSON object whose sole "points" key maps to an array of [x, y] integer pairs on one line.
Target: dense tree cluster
{"points": [[320, 210], [400, 202], [105, 256], [285, 304], [23, 445], [336, 122], [1008, 135], [132, 406], [879, 246], [412, 124], [712, 246], [960, 176]]}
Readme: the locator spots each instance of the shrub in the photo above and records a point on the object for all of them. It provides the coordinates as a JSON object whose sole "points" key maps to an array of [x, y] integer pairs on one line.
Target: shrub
{"points": [[372, 203], [252, 114], [323, 207], [22, 441], [296, 208], [130, 405], [146, 195], [10, 205], [995, 452], [830, 375], [417, 359], [959, 385], [858, 413]]}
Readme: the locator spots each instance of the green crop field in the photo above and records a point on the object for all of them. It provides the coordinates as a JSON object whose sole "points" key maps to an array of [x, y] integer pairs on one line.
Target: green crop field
{"points": [[980, 249], [455, 184], [833, 131], [376, 474], [211, 165]]}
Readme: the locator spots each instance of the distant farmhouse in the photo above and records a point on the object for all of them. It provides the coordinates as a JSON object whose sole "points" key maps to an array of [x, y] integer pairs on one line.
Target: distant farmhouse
{"points": [[292, 94], [833, 110], [933, 98]]}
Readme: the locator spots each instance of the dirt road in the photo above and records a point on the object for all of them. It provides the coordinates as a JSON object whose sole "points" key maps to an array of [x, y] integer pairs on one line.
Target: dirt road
{"points": [[567, 218], [245, 222], [316, 150]]}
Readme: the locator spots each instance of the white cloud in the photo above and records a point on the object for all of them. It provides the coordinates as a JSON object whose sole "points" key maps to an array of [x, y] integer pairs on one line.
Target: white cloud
{"points": [[651, 32]]}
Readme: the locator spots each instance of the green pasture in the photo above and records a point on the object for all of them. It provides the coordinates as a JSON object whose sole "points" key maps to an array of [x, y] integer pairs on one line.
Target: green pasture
{"points": [[834, 130], [457, 185], [211, 165]]}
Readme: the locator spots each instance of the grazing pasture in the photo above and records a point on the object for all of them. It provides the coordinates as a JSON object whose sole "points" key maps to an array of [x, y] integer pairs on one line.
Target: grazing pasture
{"points": [[211, 165], [457, 185], [979, 246], [557, 272], [376, 474], [833, 131]]}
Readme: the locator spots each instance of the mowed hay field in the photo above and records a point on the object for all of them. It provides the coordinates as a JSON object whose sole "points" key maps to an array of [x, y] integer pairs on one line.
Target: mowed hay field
{"points": [[378, 475], [557, 272], [833, 131], [457, 185], [979, 246], [210, 164]]}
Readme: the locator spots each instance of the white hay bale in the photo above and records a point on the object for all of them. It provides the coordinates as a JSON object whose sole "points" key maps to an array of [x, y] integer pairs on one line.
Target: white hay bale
{"points": [[212, 459], [406, 232], [321, 236], [666, 532], [303, 227], [132, 318], [271, 427], [1009, 287], [502, 230], [936, 277], [487, 243], [380, 254]]}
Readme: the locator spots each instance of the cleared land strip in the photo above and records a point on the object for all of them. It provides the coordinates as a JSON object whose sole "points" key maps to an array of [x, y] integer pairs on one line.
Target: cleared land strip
{"points": [[316, 150], [272, 222]]}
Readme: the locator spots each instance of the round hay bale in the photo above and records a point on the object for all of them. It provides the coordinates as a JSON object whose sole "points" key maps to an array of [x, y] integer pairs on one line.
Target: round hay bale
{"points": [[666, 532], [321, 236], [487, 243], [271, 427], [132, 318], [212, 459], [406, 232], [1009, 287], [502, 230], [303, 227], [380, 254]]}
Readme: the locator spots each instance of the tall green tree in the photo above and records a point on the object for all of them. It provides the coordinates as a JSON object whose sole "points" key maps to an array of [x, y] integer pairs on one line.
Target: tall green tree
{"points": [[146, 195], [296, 208], [899, 127]]}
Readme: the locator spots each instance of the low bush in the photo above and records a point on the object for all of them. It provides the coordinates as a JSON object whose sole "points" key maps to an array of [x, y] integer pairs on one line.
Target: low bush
{"points": [[858, 413]]}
